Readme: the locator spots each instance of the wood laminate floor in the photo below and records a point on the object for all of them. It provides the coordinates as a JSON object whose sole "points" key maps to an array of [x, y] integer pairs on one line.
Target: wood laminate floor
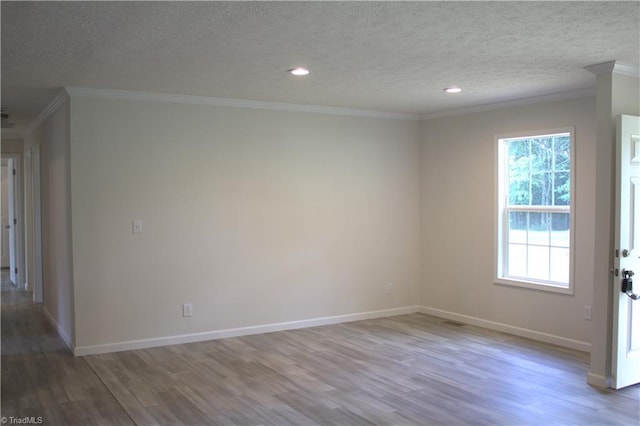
{"points": [[11, 294], [405, 370]]}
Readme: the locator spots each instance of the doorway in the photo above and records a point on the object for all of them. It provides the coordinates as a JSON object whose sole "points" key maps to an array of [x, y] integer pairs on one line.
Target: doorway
{"points": [[4, 216], [626, 298], [14, 286]]}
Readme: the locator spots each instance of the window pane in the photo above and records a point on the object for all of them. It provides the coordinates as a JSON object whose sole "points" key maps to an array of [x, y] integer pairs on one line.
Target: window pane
{"points": [[539, 228], [562, 153], [559, 270], [561, 189], [538, 258], [519, 169], [518, 227], [518, 153], [541, 154], [541, 189], [519, 191], [560, 236], [517, 260]]}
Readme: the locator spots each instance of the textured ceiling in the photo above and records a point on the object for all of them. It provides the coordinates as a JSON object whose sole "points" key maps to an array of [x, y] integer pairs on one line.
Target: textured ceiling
{"points": [[384, 56]]}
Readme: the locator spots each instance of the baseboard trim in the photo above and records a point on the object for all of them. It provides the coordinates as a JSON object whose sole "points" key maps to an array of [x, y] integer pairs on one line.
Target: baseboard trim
{"points": [[61, 332], [510, 329], [598, 381], [237, 332], [315, 322]]}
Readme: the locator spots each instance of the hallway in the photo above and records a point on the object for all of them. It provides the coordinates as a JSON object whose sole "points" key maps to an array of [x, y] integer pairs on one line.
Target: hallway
{"points": [[12, 295], [41, 379]]}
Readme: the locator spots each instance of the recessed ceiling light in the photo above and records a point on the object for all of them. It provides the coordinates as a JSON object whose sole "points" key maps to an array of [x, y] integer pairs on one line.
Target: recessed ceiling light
{"points": [[299, 71], [453, 89]]}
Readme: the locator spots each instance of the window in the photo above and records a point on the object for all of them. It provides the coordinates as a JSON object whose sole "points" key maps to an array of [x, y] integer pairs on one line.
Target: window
{"points": [[534, 215]]}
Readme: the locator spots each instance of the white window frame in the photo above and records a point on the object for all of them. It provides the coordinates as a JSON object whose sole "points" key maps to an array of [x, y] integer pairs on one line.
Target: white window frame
{"points": [[501, 215]]}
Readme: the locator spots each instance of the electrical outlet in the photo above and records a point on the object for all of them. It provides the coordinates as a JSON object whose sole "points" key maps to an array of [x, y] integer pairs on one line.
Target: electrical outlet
{"points": [[187, 310], [389, 289], [587, 313]]}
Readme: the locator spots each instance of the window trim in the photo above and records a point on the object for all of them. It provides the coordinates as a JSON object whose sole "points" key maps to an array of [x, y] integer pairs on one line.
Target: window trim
{"points": [[501, 223]]}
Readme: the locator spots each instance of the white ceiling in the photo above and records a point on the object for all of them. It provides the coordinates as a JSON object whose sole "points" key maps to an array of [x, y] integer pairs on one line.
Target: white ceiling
{"points": [[383, 56]]}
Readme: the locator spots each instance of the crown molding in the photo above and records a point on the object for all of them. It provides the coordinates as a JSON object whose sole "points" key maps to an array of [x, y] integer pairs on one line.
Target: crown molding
{"points": [[50, 109], [613, 67], [84, 92], [626, 70], [552, 97], [601, 68]]}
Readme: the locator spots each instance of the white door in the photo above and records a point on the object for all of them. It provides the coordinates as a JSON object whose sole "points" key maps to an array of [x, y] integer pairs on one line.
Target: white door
{"points": [[626, 310], [4, 222], [12, 222]]}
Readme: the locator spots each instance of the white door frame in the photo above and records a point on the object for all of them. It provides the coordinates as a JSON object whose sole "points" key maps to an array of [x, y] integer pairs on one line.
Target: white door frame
{"points": [[37, 224], [18, 248]]}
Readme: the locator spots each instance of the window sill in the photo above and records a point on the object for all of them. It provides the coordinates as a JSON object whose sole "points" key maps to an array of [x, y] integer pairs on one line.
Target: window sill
{"points": [[531, 285]]}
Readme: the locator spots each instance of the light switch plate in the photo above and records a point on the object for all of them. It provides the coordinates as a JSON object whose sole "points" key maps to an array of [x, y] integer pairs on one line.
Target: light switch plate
{"points": [[137, 226], [187, 310]]}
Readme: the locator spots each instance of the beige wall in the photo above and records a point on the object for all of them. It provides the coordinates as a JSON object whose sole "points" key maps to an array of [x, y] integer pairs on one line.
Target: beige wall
{"points": [[260, 217], [253, 216], [57, 267], [458, 219], [11, 144]]}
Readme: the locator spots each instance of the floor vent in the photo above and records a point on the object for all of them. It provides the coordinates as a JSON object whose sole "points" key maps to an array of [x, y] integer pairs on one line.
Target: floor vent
{"points": [[454, 323]]}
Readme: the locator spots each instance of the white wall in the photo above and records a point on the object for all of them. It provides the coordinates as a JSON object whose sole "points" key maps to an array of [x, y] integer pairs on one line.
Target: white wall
{"points": [[253, 216], [57, 267], [458, 222]]}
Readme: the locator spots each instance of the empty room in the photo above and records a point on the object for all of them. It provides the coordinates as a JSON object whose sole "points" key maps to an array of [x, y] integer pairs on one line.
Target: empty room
{"points": [[320, 213]]}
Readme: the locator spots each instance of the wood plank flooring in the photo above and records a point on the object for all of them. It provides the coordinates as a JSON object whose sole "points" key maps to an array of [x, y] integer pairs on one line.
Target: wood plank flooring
{"points": [[11, 294], [405, 370]]}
